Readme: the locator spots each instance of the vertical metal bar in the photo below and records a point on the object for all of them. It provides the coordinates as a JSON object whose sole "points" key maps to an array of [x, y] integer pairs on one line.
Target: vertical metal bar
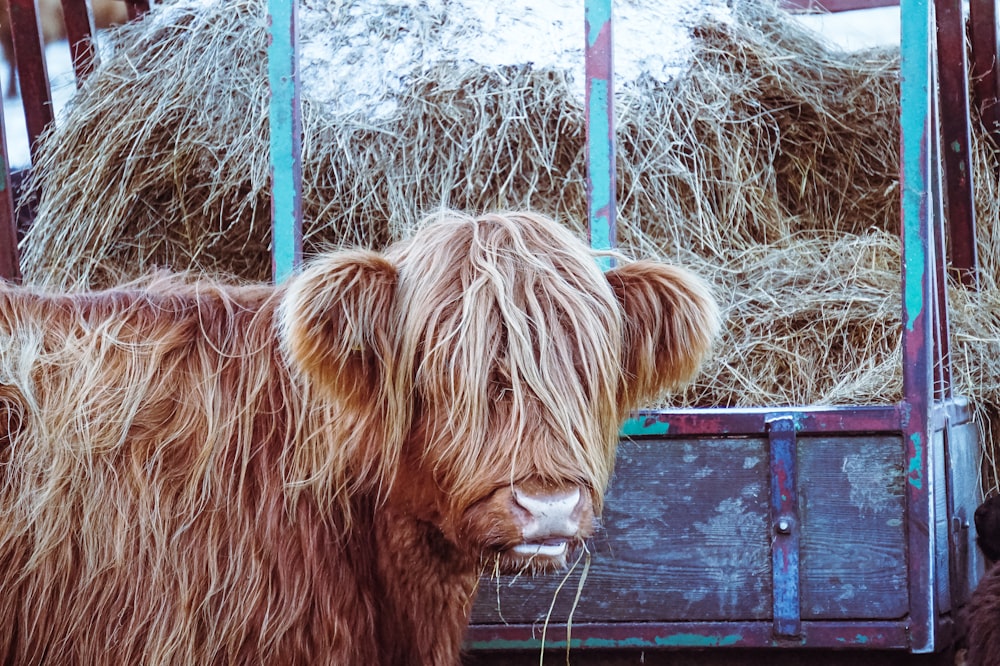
{"points": [[956, 141], [600, 103], [80, 34], [941, 348], [985, 74], [29, 55], [286, 140], [785, 522], [915, 174], [9, 267]]}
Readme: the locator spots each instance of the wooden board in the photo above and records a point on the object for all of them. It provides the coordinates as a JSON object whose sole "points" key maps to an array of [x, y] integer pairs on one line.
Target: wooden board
{"points": [[852, 503], [688, 537]]}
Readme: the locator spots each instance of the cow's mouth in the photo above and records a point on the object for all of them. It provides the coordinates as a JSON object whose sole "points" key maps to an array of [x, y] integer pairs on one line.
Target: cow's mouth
{"points": [[555, 548]]}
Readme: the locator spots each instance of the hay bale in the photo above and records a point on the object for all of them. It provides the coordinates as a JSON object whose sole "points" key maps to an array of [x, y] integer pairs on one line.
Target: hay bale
{"points": [[171, 135], [173, 132], [767, 134], [813, 321], [769, 164]]}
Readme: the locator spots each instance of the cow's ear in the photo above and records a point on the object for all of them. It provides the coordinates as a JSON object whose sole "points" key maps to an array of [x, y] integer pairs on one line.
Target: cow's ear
{"points": [[336, 323], [671, 320]]}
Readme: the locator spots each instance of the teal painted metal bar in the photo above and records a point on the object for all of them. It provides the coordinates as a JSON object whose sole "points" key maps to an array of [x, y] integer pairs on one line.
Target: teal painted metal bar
{"points": [[600, 126], [286, 140], [916, 172]]}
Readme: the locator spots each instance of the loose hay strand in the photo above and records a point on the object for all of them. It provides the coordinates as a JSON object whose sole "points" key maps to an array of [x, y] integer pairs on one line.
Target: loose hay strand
{"points": [[576, 599], [552, 604]]}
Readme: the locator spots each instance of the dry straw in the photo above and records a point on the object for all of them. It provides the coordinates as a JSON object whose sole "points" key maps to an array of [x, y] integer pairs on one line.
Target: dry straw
{"points": [[770, 165]]}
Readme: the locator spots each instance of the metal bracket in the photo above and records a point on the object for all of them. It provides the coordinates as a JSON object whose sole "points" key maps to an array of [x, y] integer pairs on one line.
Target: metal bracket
{"points": [[785, 522]]}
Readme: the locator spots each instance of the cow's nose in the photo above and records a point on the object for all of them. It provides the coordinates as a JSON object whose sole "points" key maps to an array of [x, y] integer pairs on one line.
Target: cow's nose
{"points": [[549, 515]]}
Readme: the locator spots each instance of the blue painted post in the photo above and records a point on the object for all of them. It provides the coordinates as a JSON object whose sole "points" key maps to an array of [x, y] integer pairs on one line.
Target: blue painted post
{"points": [[787, 614], [286, 140], [915, 180], [600, 126]]}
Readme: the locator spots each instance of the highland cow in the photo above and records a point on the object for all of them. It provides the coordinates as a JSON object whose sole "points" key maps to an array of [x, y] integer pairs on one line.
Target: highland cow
{"points": [[982, 614], [318, 472]]}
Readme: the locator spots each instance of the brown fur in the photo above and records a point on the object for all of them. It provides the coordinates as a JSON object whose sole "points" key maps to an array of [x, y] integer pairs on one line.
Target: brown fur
{"points": [[982, 614], [316, 473], [982, 619]]}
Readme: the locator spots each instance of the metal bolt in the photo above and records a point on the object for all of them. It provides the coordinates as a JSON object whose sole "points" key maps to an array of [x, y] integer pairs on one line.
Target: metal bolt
{"points": [[784, 526]]}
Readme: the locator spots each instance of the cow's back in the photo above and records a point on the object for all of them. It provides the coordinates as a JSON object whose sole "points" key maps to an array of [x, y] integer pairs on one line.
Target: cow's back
{"points": [[144, 516]]}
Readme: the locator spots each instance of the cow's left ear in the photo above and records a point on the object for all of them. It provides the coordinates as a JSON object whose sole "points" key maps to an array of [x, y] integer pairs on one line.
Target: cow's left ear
{"points": [[336, 322], [671, 320]]}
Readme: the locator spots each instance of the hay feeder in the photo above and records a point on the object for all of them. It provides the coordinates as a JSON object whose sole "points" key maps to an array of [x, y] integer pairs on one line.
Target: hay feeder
{"points": [[773, 527]]}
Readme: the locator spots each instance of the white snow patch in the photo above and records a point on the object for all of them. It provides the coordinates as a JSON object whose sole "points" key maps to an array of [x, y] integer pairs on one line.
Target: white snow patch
{"points": [[858, 29], [367, 71]]}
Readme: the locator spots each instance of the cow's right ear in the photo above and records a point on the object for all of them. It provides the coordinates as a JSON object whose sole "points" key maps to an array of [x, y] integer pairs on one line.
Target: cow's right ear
{"points": [[335, 322], [671, 320]]}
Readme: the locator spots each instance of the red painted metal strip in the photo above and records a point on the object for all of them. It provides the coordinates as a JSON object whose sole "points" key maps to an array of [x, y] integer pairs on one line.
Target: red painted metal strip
{"points": [[80, 33], [29, 56], [888, 635], [753, 421], [9, 265], [985, 74], [956, 141]]}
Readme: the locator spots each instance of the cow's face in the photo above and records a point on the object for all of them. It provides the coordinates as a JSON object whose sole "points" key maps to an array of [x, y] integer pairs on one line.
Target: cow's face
{"points": [[498, 362]]}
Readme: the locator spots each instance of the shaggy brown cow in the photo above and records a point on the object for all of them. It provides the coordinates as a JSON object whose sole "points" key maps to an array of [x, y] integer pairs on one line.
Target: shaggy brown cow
{"points": [[982, 614], [317, 472]]}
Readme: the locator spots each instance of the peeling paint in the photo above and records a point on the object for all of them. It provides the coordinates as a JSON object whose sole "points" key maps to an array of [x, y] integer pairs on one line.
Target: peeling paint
{"points": [[914, 475], [597, 15], [697, 640], [870, 479], [914, 88], [673, 640], [723, 567]]}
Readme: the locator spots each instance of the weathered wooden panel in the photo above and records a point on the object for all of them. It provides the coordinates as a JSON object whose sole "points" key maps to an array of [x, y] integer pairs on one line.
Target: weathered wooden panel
{"points": [[852, 504], [688, 537]]}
